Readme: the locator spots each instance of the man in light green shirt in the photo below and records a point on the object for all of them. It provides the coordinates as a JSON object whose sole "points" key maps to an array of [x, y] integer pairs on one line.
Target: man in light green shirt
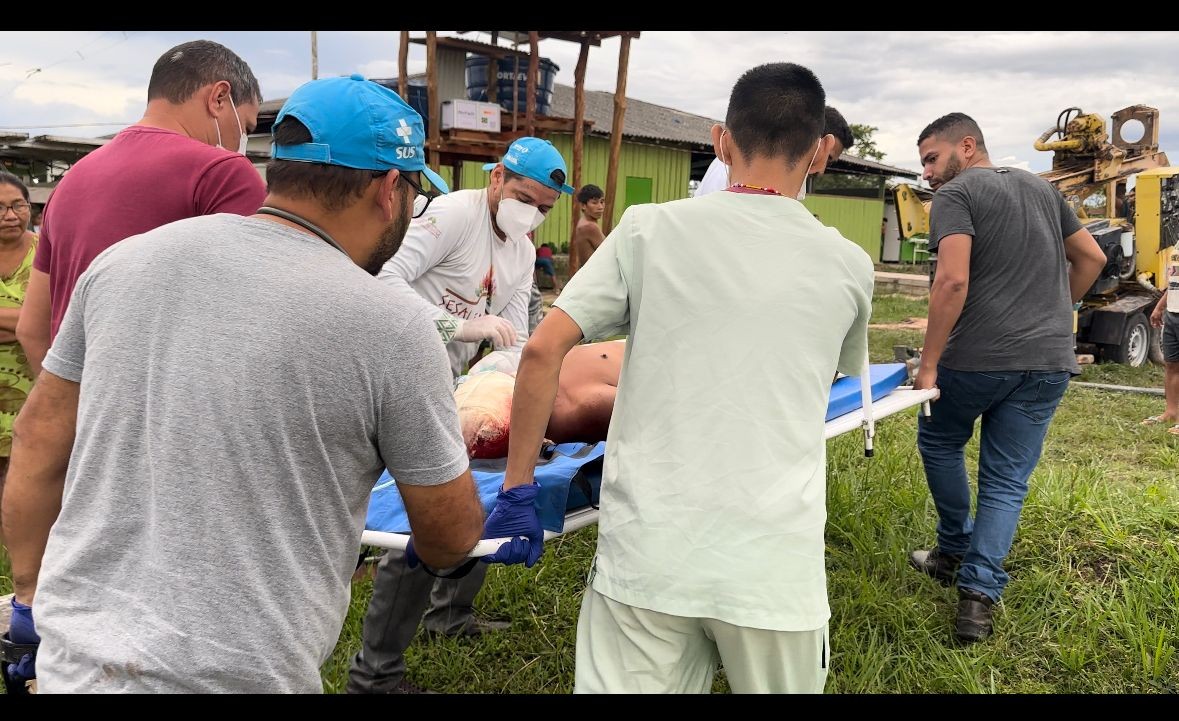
{"points": [[710, 538]]}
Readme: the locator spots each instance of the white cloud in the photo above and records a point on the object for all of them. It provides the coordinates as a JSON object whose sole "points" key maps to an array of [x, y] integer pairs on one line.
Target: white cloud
{"points": [[1014, 83], [105, 100]]}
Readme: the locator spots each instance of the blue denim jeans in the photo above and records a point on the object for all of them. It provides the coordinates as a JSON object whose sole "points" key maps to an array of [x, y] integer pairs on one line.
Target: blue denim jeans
{"points": [[1016, 408]]}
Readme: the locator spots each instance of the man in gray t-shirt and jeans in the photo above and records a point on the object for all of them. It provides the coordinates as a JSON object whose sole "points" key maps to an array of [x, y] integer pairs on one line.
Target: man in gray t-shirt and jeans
{"points": [[222, 395], [1012, 259]]}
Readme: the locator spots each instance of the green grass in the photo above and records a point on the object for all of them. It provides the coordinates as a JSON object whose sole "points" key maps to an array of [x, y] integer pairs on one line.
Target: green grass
{"points": [[1148, 376], [894, 308], [1092, 607]]}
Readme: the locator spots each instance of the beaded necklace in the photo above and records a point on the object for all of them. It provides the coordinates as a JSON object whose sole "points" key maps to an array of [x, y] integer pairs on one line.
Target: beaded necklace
{"points": [[754, 188]]}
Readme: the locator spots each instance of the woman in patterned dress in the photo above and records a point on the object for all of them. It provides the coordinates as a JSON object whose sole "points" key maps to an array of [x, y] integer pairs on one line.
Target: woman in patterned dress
{"points": [[17, 246]]}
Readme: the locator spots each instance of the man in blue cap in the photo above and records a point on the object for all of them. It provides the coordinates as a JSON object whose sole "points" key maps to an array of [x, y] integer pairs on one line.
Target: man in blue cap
{"points": [[191, 472], [469, 256]]}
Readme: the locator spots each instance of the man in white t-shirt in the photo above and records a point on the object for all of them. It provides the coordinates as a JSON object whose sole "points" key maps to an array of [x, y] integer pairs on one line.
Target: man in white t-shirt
{"points": [[717, 176], [740, 308], [469, 255]]}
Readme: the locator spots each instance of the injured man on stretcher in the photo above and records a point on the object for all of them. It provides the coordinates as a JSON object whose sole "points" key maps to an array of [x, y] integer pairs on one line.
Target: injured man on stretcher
{"points": [[581, 412]]}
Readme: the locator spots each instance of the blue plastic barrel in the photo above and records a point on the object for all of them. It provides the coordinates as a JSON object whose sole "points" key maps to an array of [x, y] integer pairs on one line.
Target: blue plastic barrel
{"points": [[419, 99], [546, 76]]}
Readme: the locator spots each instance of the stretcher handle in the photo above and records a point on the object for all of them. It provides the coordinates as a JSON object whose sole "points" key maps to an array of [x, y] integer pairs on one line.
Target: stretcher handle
{"points": [[869, 423], [574, 520]]}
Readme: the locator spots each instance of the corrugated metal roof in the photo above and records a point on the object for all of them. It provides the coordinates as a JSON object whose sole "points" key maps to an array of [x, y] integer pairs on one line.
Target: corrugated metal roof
{"points": [[642, 120], [658, 122], [879, 168]]}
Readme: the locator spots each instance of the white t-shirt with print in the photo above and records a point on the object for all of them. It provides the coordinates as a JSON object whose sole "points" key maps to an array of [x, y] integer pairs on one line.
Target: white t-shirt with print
{"points": [[715, 178], [453, 259], [740, 309]]}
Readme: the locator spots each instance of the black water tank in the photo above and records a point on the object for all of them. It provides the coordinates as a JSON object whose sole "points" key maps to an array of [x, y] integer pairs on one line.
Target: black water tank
{"points": [[546, 76]]}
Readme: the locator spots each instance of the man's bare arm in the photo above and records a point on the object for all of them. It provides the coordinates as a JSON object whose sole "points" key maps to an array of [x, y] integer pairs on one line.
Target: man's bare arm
{"points": [[447, 519], [1086, 260], [32, 330], [535, 390], [42, 439], [1156, 315], [947, 296]]}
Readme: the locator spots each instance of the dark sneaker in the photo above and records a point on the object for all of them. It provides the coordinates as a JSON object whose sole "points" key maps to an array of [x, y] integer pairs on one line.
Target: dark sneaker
{"points": [[937, 565], [402, 686], [480, 626], [473, 627], [974, 616]]}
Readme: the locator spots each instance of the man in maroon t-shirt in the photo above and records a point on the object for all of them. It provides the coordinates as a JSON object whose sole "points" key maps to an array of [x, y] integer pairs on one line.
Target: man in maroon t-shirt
{"points": [[185, 157]]}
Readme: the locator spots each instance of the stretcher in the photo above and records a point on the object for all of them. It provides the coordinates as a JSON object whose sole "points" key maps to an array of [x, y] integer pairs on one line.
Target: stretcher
{"points": [[570, 474]]}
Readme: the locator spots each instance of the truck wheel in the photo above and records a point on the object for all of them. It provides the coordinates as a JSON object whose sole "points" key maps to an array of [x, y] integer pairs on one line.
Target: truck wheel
{"points": [[1134, 350], [1156, 346]]}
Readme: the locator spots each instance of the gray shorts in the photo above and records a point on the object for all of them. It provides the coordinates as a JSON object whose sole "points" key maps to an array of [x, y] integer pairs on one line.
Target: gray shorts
{"points": [[1171, 337]]}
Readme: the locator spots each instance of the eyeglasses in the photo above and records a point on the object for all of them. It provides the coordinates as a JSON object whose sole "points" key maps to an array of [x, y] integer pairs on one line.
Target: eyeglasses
{"points": [[17, 207], [422, 198]]}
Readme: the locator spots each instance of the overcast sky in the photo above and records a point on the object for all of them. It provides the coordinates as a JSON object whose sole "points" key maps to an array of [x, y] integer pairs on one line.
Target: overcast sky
{"points": [[1014, 83]]}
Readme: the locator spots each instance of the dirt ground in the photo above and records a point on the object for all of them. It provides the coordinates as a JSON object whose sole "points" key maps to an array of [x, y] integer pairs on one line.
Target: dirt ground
{"points": [[906, 324]]}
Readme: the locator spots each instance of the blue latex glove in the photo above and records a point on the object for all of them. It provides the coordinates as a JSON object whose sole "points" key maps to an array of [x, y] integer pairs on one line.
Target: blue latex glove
{"points": [[514, 516], [411, 556], [22, 631]]}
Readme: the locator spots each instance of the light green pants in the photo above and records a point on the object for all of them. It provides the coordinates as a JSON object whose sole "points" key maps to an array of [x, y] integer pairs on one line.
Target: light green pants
{"points": [[624, 649]]}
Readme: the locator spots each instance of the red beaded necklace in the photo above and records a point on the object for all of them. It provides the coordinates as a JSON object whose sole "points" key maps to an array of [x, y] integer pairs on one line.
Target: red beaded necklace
{"points": [[745, 187]]}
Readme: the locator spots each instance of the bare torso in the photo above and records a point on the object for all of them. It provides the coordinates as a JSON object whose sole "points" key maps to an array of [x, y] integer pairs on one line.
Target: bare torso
{"points": [[586, 239], [585, 393]]}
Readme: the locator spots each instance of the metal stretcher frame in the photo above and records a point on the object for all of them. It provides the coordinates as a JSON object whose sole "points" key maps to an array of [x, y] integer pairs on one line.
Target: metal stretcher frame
{"points": [[863, 418]]}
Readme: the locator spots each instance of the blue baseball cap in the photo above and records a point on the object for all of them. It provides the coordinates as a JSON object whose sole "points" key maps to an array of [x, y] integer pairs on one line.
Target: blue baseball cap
{"points": [[356, 123], [537, 159]]}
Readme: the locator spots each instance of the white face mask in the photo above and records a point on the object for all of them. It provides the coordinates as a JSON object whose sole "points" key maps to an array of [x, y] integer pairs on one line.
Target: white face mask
{"points": [[241, 143], [516, 218], [802, 190], [243, 138], [720, 153]]}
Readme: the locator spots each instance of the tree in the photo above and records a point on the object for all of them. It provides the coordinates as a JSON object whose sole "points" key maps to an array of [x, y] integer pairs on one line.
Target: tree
{"points": [[865, 146]]}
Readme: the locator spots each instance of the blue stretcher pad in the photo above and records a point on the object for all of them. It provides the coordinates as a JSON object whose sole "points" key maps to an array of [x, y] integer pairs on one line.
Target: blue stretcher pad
{"points": [[846, 395], [570, 474]]}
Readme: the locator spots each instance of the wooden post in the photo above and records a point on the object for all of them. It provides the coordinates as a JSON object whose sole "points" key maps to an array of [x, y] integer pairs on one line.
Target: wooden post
{"points": [[515, 87], [314, 57], [616, 134], [432, 100], [530, 94], [578, 130], [456, 180], [493, 72], [403, 66]]}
